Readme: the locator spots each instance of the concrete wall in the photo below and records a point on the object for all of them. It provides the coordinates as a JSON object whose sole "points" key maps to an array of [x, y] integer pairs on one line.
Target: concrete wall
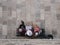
{"points": [[45, 13]]}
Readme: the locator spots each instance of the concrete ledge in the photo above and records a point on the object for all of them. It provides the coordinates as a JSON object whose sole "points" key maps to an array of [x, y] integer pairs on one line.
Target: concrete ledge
{"points": [[29, 42]]}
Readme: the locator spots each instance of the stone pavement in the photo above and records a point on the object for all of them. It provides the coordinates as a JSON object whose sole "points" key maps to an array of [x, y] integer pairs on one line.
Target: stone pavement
{"points": [[29, 42]]}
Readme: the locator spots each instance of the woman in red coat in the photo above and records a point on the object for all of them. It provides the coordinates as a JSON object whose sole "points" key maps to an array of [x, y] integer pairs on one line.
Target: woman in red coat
{"points": [[36, 30]]}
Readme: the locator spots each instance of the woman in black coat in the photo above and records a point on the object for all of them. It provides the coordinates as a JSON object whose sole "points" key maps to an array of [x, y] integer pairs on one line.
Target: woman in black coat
{"points": [[22, 27]]}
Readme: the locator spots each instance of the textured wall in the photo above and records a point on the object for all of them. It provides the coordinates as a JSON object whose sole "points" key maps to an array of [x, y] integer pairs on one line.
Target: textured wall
{"points": [[45, 13]]}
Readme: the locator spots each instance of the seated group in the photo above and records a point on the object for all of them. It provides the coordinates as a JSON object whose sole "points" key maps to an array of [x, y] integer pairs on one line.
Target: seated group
{"points": [[28, 30]]}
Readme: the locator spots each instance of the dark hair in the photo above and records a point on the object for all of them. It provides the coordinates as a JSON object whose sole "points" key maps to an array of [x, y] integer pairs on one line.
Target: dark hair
{"points": [[22, 21]]}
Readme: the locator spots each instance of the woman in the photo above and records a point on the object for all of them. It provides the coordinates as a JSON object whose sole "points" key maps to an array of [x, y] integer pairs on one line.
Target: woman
{"points": [[28, 30], [21, 29], [36, 30]]}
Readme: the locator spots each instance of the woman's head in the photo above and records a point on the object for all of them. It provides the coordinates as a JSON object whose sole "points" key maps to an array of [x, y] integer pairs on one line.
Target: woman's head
{"points": [[35, 25], [22, 22], [29, 23]]}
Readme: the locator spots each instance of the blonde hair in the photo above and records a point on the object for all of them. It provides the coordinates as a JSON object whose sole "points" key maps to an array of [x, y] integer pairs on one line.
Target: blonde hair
{"points": [[29, 23], [35, 25]]}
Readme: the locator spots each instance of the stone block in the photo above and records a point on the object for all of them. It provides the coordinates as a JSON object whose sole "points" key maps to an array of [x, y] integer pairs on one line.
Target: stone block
{"points": [[58, 16], [47, 8]]}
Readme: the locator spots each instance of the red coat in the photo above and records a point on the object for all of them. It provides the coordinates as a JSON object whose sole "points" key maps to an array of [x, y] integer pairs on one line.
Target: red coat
{"points": [[36, 29]]}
